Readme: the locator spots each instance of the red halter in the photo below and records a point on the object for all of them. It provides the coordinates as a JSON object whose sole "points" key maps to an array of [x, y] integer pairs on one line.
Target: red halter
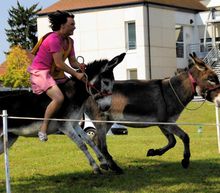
{"points": [[99, 93], [193, 82]]}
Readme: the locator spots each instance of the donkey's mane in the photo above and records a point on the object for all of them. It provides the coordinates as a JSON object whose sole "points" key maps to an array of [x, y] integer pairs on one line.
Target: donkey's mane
{"points": [[93, 67]]}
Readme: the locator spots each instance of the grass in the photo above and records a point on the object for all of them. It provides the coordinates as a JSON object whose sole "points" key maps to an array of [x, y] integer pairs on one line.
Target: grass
{"points": [[59, 167]]}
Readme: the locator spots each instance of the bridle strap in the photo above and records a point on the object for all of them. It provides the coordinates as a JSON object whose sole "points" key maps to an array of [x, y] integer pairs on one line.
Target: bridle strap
{"points": [[209, 90], [193, 82], [99, 93], [214, 87]]}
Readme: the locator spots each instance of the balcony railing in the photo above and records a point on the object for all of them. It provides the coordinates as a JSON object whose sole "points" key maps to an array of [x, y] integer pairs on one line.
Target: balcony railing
{"points": [[212, 56], [199, 48], [208, 53]]}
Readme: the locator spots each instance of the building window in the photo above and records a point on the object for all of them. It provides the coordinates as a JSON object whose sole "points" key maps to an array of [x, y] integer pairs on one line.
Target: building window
{"points": [[179, 42], [130, 35], [132, 74]]}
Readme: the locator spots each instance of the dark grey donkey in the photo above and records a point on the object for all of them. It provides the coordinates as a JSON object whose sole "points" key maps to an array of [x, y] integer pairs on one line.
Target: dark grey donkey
{"points": [[156, 101], [26, 104]]}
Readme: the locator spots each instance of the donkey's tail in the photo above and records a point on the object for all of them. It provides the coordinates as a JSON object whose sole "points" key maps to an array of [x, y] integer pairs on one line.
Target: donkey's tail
{"points": [[11, 139]]}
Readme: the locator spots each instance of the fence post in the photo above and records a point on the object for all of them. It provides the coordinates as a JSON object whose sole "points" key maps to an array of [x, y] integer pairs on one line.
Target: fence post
{"points": [[218, 127], [5, 131]]}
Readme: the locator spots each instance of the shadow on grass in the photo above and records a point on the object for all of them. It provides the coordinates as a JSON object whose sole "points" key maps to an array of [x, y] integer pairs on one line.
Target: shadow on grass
{"points": [[139, 176]]}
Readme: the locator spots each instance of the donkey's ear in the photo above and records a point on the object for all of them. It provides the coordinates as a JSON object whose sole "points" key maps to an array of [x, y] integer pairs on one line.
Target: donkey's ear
{"points": [[193, 57], [200, 65], [116, 60]]}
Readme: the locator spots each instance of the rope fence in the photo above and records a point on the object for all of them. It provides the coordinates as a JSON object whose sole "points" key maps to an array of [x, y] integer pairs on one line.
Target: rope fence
{"points": [[5, 117], [119, 122]]}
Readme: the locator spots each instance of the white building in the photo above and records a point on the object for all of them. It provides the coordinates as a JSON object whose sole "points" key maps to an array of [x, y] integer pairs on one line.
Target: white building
{"points": [[155, 33]]}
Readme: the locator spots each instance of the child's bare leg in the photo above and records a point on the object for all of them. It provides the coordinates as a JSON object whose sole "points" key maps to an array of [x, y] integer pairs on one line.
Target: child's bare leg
{"points": [[57, 99]]}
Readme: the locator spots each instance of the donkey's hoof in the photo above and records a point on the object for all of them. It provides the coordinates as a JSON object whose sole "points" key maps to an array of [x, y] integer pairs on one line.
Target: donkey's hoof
{"points": [[97, 171], [104, 166], [151, 152], [115, 168], [119, 171], [185, 163]]}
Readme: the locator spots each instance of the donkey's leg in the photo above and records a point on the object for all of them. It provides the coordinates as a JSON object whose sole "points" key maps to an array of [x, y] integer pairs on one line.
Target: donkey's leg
{"points": [[100, 139], [72, 134], [88, 140], [94, 113], [185, 138], [11, 140], [171, 143]]}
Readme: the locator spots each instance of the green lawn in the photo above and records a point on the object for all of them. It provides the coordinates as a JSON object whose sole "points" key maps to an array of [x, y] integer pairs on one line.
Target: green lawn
{"points": [[59, 167]]}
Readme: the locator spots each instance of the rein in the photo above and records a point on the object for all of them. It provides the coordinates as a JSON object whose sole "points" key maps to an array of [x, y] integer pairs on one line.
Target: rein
{"points": [[211, 89], [99, 93], [90, 86], [193, 82]]}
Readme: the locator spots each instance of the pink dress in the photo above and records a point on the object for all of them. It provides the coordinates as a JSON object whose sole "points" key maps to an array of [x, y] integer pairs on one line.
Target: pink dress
{"points": [[41, 79]]}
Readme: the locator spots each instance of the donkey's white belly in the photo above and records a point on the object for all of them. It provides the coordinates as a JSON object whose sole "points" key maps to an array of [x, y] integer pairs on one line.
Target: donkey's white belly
{"points": [[31, 130]]}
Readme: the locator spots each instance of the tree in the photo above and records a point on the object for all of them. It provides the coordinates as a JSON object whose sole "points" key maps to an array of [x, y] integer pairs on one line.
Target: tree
{"points": [[23, 26], [16, 69]]}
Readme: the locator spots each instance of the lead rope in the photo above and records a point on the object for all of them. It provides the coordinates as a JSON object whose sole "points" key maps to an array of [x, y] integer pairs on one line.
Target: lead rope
{"points": [[181, 101], [88, 85], [85, 75]]}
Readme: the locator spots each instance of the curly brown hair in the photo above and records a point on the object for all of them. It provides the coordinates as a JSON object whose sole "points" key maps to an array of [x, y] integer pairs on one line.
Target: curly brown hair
{"points": [[58, 18]]}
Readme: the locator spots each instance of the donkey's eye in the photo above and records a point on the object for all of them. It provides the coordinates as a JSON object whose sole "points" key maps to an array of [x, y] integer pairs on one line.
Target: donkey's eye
{"points": [[212, 80], [106, 82]]}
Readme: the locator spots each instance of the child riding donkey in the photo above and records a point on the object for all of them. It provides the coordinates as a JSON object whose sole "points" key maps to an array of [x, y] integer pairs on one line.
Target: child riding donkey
{"points": [[48, 67]]}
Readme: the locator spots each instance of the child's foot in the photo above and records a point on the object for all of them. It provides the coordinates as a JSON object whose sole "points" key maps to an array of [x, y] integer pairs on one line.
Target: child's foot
{"points": [[42, 136]]}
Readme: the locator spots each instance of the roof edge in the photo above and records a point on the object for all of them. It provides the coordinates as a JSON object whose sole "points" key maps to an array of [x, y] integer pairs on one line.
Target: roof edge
{"points": [[125, 4]]}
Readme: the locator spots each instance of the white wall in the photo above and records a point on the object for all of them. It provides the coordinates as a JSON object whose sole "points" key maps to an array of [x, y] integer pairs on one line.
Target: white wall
{"points": [[162, 41], [43, 26], [102, 35], [190, 34]]}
